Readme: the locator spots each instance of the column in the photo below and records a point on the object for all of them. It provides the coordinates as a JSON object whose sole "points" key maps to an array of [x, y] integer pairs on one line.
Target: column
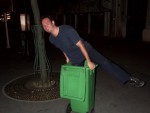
{"points": [[64, 19], [76, 21], [146, 31], [89, 23], [106, 23], [6, 28]]}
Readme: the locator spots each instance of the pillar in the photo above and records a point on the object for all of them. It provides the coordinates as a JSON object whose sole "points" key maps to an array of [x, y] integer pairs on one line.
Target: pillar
{"points": [[76, 21], [64, 19], [146, 31], [6, 28], [89, 23], [106, 23]]}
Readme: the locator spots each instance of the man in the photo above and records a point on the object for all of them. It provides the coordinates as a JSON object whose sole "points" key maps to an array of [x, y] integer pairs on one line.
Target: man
{"points": [[76, 51]]}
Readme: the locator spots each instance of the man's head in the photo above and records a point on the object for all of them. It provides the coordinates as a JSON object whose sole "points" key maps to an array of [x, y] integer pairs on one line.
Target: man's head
{"points": [[48, 24]]}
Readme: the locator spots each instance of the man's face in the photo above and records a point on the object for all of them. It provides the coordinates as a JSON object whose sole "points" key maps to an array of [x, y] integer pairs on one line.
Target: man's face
{"points": [[47, 25]]}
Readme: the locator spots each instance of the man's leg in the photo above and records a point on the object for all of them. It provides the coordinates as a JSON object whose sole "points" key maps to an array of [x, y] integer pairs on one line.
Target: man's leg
{"points": [[110, 67]]}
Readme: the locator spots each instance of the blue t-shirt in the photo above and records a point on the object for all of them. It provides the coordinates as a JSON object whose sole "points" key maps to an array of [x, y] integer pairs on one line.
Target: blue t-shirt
{"points": [[66, 41]]}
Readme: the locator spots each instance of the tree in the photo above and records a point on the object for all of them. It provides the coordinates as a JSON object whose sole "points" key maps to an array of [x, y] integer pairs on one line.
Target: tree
{"points": [[41, 62]]}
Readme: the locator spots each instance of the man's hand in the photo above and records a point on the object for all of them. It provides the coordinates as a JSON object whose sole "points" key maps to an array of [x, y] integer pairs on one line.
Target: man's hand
{"points": [[91, 65], [67, 59]]}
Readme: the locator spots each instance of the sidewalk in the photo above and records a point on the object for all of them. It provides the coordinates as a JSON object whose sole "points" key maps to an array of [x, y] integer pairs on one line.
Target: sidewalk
{"points": [[111, 96]]}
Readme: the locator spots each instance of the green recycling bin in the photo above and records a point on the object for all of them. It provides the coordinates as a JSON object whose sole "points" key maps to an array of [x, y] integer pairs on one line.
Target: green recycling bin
{"points": [[77, 83]]}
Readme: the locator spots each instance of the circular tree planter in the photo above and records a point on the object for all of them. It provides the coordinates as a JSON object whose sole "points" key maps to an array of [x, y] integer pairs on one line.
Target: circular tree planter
{"points": [[29, 88]]}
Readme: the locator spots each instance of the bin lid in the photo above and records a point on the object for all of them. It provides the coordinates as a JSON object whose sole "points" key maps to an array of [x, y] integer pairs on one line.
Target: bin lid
{"points": [[73, 82]]}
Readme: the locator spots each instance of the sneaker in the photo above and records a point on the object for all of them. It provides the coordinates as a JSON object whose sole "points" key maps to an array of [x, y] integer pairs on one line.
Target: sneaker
{"points": [[136, 82]]}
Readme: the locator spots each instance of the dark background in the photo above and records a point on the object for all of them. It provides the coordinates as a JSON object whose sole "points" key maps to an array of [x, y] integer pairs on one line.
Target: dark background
{"points": [[136, 19]]}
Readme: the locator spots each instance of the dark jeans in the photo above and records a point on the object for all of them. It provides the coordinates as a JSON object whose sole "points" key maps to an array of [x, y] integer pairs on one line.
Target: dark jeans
{"points": [[110, 67]]}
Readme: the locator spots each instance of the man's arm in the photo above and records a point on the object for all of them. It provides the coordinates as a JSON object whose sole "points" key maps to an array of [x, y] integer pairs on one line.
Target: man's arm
{"points": [[85, 53]]}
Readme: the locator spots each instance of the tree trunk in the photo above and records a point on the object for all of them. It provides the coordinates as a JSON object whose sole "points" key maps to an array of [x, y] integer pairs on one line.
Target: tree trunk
{"points": [[40, 41]]}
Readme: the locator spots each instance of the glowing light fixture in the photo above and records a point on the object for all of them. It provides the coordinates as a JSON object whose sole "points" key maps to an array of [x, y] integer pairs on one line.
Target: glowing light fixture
{"points": [[25, 22]]}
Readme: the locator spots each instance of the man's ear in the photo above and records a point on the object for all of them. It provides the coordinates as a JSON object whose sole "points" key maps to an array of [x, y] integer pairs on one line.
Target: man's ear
{"points": [[53, 22]]}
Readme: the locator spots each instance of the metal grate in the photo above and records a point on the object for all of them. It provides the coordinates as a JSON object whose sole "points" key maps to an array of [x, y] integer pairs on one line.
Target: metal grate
{"points": [[27, 88]]}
